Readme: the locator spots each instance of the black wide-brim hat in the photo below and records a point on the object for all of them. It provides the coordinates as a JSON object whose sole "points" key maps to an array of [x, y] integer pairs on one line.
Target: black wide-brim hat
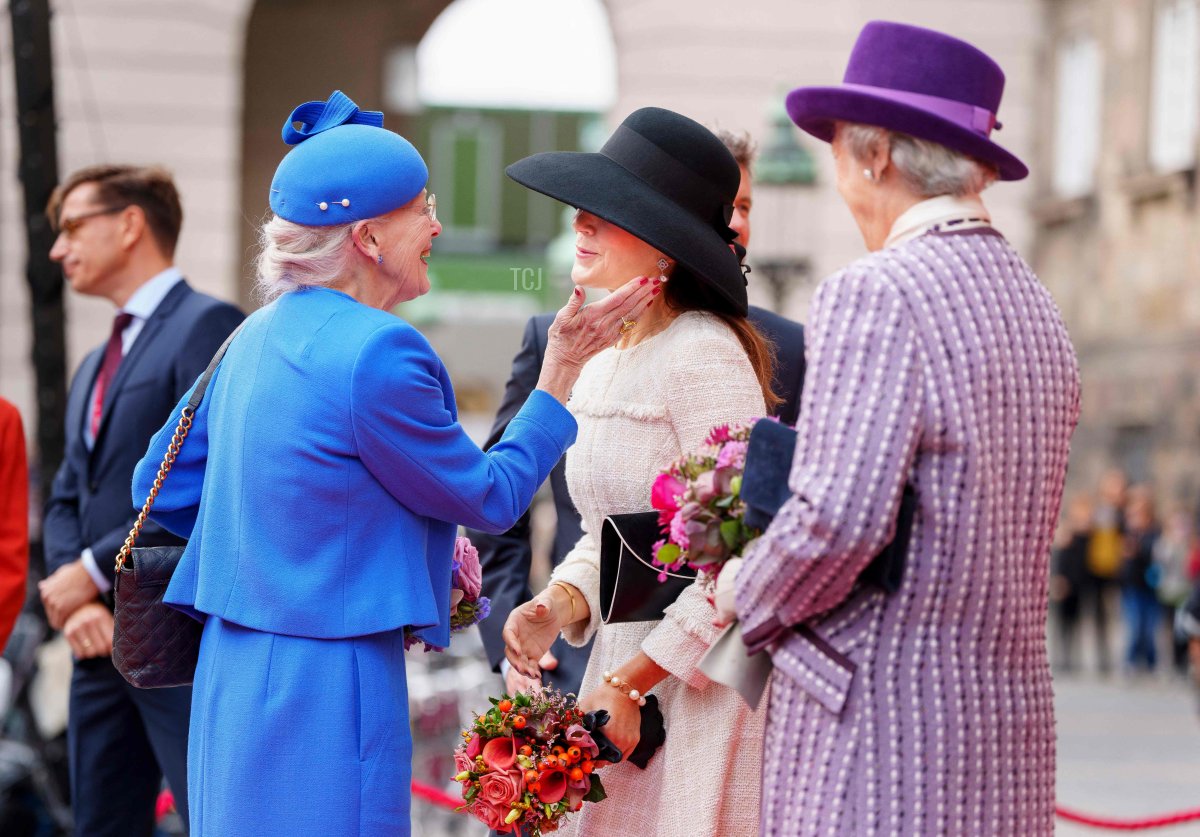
{"points": [[663, 178]]}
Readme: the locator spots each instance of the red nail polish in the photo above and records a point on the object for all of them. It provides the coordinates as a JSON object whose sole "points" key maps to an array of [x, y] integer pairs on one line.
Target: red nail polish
{"points": [[644, 280], [578, 292], [655, 291]]}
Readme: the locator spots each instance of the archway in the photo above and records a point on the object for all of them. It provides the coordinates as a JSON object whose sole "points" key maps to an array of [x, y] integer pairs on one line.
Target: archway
{"points": [[299, 50]]}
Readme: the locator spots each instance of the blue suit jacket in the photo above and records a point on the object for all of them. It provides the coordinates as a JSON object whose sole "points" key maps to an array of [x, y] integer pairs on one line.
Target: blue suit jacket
{"points": [[326, 471], [506, 558], [89, 502]]}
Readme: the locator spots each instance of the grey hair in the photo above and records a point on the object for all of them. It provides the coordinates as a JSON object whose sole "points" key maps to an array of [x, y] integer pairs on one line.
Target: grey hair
{"points": [[297, 256], [928, 168], [742, 146]]}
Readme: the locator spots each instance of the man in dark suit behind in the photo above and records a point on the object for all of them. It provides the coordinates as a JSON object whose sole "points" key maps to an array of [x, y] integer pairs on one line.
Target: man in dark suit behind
{"points": [[506, 558], [118, 226]]}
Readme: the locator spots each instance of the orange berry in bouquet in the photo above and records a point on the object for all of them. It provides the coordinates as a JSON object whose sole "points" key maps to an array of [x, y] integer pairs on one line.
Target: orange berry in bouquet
{"points": [[513, 764]]}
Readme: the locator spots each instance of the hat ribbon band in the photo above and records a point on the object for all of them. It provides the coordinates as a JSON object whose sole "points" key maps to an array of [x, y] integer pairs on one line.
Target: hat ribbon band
{"points": [[650, 164], [980, 120]]}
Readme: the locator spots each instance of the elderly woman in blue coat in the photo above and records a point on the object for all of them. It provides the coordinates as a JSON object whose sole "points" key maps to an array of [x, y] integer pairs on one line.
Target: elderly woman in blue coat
{"points": [[321, 485]]}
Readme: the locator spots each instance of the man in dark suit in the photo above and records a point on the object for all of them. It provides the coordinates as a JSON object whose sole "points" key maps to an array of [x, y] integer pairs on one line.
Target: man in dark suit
{"points": [[118, 226], [506, 558]]}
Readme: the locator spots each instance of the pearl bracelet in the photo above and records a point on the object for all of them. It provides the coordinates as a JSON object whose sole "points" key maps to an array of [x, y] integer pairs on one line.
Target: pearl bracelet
{"points": [[624, 688]]}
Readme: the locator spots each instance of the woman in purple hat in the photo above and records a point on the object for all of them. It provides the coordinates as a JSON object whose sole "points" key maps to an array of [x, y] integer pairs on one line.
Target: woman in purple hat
{"points": [[938, 361]]}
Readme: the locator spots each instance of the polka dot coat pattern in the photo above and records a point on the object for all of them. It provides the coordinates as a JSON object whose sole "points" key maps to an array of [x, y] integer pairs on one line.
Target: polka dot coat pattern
{"points": [[945, 364]]}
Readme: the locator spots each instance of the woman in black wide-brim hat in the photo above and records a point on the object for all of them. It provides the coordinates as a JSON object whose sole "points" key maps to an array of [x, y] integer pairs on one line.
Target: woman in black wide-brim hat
{"points": [[656, 202]]}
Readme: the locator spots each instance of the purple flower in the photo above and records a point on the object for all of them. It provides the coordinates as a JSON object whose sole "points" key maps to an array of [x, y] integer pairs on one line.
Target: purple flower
{"points": [[581, 738]]}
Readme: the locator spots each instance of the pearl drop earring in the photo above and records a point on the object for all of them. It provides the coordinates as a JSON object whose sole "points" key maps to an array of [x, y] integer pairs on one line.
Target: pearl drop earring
{"points": [[663, 264], [868, 174]]}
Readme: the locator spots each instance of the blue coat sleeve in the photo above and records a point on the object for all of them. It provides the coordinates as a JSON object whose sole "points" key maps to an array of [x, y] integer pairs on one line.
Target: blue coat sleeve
{"points": [[178, 501], [408, 436]]}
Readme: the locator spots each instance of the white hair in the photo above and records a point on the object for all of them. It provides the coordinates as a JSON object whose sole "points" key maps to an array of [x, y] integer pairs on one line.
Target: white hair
{"points": [[298, 256], [928, 168]]}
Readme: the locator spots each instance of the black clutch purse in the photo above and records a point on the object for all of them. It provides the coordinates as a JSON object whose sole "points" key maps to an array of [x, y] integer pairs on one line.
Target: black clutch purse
{"points": [[154, 645], [765, 489], [630, 590]]}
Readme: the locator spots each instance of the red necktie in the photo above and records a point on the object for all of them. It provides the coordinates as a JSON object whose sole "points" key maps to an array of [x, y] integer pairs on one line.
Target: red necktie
{"points": [[108, 369]]}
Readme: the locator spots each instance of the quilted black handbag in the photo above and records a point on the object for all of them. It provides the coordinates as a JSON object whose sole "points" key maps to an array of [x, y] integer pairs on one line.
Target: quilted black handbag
{"points": [[154, 645]]}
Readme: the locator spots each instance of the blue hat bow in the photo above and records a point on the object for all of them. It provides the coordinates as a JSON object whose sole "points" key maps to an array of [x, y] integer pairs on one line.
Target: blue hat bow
{"points": [[315, 117]]}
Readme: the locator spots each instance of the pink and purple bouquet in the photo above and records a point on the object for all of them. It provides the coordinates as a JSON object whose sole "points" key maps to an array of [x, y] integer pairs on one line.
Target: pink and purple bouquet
{"points": [[529, 761], [698, 498], [467, 606]]}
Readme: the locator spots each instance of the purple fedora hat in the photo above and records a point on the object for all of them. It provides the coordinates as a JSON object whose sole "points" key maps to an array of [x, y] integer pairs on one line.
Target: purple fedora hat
{"points": [[919, 82]]}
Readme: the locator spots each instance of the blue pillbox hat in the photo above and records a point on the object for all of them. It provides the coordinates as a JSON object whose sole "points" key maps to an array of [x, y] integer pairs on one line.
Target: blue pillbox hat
{"points": [[345, 167]]}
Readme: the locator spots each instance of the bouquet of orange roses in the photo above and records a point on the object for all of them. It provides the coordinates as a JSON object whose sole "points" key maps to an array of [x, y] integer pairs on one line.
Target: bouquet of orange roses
{"points": [[530, 760]]}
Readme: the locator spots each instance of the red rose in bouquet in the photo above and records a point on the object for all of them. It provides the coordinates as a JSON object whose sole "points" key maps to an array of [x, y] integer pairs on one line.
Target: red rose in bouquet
{"points": [[530, 760]]}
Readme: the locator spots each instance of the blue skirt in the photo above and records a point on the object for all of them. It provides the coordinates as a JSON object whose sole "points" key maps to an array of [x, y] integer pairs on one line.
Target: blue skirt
{"points": [[294, 736]]}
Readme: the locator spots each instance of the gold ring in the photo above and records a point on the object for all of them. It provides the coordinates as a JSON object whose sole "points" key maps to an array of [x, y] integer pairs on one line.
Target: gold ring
{"points": [[627, 325]]}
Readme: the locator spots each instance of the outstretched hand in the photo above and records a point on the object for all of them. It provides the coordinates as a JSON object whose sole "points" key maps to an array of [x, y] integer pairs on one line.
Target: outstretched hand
{"points": [[580, 332], [529, 632]]}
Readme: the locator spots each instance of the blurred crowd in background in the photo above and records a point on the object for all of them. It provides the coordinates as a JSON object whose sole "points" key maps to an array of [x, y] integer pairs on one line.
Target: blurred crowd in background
{"points": [[1121, 560]]}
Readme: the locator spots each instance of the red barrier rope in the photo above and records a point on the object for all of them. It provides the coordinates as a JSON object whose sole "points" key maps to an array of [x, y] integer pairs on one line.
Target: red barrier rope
{"points": [[435, 795], [444, 800], [1114, 824]]}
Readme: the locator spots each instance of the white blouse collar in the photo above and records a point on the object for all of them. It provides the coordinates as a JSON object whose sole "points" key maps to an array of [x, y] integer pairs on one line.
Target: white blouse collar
{"points": [[944, 211]]}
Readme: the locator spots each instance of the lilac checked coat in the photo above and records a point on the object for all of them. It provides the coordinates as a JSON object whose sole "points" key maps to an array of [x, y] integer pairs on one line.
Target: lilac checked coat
{"points": [[942, 362]]}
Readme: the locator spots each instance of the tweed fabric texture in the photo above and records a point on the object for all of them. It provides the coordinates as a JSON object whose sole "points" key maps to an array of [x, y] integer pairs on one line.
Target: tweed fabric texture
{"points": [[944, 362], [638, 410]]}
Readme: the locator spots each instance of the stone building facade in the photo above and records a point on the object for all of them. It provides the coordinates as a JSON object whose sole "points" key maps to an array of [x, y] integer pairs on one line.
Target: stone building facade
{"points": [[1117, 227], [201, 87]]}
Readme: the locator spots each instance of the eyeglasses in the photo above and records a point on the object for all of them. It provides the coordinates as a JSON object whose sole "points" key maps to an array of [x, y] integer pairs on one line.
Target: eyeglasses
{"points": [[430, 210], [70, 226]]}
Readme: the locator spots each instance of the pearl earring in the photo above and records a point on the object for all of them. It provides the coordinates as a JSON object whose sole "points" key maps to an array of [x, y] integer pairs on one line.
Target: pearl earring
{"points": [[868, 174], [663, 264]]}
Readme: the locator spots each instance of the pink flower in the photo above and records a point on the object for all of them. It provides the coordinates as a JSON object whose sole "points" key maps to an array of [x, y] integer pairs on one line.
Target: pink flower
{"points": [[704, 487], [575, 794], [474, 746], [733, 454], [462, 761], [582, 739], [665, 494], [491, 815], [554, 785], [679, 531], [500, 753], [718, 435], [502, 788], [469, 577]]}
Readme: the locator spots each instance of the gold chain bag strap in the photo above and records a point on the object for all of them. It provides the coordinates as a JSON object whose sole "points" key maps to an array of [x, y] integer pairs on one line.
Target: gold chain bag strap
{"points": [[155, 645]]}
